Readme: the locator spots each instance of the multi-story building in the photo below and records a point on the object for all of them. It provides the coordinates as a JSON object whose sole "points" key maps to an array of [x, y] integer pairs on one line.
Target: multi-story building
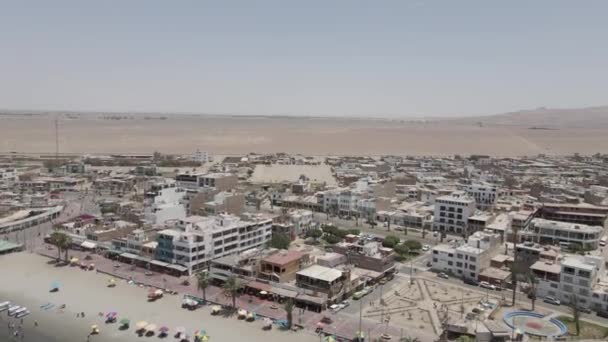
{"points": [[582, 276], [165, 205], [581, 213], [281, 266], [219, 181], [225, 202], [370, 256], [196, 240], [484, 194], [301, 219], [452, 212], [468, 260], [202, 156], [329, 281], [564, 234]]}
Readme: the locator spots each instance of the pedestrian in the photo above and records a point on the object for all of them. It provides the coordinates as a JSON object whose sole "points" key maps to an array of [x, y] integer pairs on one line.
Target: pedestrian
{"points": [[82, 314], [35, 323]]}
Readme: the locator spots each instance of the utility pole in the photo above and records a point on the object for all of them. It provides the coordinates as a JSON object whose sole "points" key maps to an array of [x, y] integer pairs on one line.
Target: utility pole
{"points": [[360, 320]]}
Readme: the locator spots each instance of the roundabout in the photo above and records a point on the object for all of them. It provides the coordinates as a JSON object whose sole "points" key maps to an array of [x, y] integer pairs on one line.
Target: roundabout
{"points": [[535, 324]]}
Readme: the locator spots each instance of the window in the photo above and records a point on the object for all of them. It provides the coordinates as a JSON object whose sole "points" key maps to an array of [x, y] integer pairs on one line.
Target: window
{"points": [[567, 279], [553, 285], [442, 207], [450, 263], [459, 217], [473, 274], [459, 210], [473, 259], [583, 292], [567, 288], [459, 256], [458, 264], [435, 252], [582, 282], [434, 259], [472, 267], [450, 255], [584, 274]]}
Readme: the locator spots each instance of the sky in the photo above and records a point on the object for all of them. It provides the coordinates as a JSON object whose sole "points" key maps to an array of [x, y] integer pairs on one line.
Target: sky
{"points": [[315, 57]]}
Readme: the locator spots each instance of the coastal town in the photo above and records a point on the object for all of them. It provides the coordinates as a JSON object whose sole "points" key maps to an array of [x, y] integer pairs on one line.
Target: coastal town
{"points": [[335, 248]]}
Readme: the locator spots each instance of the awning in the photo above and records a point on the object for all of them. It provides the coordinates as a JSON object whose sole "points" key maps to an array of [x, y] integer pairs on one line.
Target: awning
{"points": [[284, 293], [142, 258], [259, 286], [88, 244], [179, 268], [311, 299], [159, 263], [128, 256]]}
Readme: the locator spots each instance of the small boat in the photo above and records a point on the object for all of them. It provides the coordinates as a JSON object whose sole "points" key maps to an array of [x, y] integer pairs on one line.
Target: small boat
{"points": [[12, 309], [22, 314]]}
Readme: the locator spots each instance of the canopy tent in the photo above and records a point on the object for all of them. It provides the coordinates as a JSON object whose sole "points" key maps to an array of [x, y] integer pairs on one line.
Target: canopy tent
{"points": [[88, 245]]}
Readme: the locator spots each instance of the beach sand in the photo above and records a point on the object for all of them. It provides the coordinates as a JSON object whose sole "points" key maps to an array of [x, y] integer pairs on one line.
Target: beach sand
{"points": [[26, 279]]}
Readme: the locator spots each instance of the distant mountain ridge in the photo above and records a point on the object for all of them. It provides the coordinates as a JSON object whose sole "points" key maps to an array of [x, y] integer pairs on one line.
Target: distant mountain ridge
{"points": [[591, 117]]}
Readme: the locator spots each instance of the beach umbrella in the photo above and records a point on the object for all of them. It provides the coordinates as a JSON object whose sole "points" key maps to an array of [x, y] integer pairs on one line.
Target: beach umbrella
{"points": [[151, 327], [125, 321], [164, 329], [205, 338], [180, 330], [330, 339], [94, 326], [55, 285], [216, 309], [200, 333], [111, 314], [141, 325]]}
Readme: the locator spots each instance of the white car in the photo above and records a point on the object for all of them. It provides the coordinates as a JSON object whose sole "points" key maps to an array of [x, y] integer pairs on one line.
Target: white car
{"points": [[487, 285], [426, 248]]}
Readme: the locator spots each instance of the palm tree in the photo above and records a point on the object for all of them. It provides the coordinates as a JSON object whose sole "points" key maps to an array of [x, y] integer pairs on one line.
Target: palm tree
{"points": [[575, 312], [56, 240], [531, 290], [231, 288], [66, 243], [515, 265], [289, 311], [202, 280]]}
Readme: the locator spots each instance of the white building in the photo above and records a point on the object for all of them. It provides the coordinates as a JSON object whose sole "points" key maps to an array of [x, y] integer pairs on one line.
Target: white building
{"points": [[583, 276], [302, 220], [196, 240], [452, 212], [202, 156], [8, 175], [563, 234], [165, 205], [468, 260], [484, 194]]}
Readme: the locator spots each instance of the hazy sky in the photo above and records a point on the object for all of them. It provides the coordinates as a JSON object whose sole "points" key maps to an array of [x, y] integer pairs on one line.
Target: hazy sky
{"points": [[373, 58]]}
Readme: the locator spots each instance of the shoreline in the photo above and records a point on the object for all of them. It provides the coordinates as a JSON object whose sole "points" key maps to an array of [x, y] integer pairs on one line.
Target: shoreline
{"points": [[26, 282]]}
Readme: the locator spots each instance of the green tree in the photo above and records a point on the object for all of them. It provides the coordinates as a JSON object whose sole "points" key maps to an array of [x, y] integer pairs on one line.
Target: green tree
{"points": [[530, 290], [58, 239], [354, 231], [288, 306], [401, 250], [231, 288], [202, 282], [66, 245], [575, 310], [413, 244], [280, 241], [390, 241], [315, 233], [332, 239]]}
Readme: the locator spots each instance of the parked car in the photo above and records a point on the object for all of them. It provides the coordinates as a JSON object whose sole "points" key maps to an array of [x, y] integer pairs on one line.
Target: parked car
{"points": [[584, 309], [429, 264], [443, 275], [552, 300], [487, 285], [470, 281], [345, 303], [426, 248], [602, 314]]}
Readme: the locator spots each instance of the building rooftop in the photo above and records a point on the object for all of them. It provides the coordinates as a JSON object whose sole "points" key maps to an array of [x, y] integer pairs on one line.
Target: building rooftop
{"points": [[284, 257], [573, 227], [321, 272], [548, 267]]}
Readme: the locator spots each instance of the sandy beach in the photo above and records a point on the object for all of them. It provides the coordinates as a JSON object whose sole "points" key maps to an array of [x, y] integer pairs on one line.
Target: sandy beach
{"points": [[26, 279], [312, 136]]}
